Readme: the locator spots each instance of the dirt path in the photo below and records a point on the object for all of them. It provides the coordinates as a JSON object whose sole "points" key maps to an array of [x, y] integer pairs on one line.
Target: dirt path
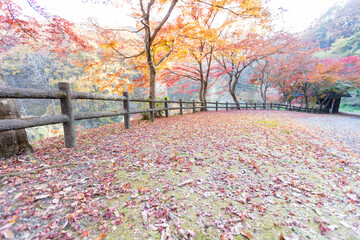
{"points": [[225, 175]]}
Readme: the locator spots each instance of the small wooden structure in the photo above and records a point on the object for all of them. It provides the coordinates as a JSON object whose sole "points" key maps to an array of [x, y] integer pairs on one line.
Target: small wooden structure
{"points": [[332, 99]]}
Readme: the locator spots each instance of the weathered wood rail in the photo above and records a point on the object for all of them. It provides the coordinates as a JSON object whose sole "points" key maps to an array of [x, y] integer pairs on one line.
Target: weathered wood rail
{"points": [[68, 117]]}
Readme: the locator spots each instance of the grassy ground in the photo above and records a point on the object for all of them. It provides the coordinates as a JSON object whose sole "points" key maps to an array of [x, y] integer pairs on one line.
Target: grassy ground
{"points": [[347, 108], [236, 175]]}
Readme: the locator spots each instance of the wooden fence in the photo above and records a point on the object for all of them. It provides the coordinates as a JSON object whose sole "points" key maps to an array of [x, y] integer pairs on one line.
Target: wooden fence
{"points": [[67, 117]]}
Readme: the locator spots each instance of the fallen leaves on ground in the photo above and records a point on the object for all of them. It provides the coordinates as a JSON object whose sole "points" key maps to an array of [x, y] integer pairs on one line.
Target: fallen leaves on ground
{"points": [[215, 175]]}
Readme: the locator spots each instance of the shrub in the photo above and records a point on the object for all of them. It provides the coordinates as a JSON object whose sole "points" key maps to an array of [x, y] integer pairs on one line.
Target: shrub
{"points": [[157, 114]]}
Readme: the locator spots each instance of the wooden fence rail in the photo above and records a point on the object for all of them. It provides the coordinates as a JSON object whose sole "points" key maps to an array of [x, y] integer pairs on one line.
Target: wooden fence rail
{"points": [[66, 97]]}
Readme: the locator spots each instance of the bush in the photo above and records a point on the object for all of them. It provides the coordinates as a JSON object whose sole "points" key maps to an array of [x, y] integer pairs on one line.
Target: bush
{"points": [[157, 114]]}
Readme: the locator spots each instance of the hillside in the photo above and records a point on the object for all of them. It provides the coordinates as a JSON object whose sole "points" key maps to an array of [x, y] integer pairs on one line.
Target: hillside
{"points": [[342, 21]]}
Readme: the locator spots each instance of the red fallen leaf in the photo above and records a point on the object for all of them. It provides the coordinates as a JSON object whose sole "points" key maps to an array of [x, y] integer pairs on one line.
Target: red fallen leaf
{"points": [[281, 237], [323, 229], [101, 236], [107, 215], [226, 236], [126, 186], [260, 208]]}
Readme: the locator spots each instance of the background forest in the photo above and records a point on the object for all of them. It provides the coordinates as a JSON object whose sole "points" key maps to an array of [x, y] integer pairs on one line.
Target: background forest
{"points": [[213, 51]]}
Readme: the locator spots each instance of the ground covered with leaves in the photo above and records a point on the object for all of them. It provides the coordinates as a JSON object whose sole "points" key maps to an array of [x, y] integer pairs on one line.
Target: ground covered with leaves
{"points": [[215, 175]]}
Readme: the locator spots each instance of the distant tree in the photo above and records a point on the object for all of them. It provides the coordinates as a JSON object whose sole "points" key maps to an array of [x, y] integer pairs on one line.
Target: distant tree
{"points": [[236, 56], [338, 22], [344, 47], [242, 51], [263, 76]]}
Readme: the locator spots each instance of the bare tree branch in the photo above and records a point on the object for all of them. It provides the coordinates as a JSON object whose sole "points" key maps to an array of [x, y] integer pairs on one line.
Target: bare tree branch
{"points": [[20, 25], [126, 57], [167, 55], [157, 29], [228, 9], [7, 31]]}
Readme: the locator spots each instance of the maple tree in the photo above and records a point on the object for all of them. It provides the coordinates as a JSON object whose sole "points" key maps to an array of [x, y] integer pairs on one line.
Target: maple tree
{"points": [[235, 57], [324, 80], [145, 54], [238, 55], [350, 70], [301, 75], [285, 83], [195, 48], [263, 77], [57, 35], [160, 37], [334, 75], [204, 33]]}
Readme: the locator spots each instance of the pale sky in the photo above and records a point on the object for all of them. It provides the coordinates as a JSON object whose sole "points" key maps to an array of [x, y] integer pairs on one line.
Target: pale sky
{"points": [[299, 15]]}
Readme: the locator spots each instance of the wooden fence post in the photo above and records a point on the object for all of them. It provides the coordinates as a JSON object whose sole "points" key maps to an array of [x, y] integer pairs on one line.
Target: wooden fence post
{"points": [[205, 106], [227, 106], [278, 106], [194, 106], [255, 106], [66, 109], [127, 109], [270, 106], [216, 105], [181, 106], [167, 107], [151, 106], [246, 106]]}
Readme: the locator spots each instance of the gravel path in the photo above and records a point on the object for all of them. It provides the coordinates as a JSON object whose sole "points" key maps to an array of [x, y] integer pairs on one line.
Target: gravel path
{"points": [[344, 128]]}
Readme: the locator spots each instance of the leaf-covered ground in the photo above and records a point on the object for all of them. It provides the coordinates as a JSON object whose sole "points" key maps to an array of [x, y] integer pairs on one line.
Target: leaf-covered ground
{"points": [[226, 175]]}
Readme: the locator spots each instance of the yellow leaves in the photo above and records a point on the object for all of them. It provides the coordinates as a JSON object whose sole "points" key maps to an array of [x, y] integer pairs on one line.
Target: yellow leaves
{"points": [[13, 220], [108, 45]]}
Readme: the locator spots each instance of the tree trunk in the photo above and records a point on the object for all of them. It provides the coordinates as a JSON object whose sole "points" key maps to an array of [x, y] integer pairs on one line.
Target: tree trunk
{"points": [[265, 96], [202, 88], [306, 98], [232, 93], [232, 85], [152, 75], [150, 58], [13, 142], [152, 70]]}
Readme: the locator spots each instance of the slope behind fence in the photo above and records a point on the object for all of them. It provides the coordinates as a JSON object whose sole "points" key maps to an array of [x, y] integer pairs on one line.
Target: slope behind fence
{"points": [[68, 118]]}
